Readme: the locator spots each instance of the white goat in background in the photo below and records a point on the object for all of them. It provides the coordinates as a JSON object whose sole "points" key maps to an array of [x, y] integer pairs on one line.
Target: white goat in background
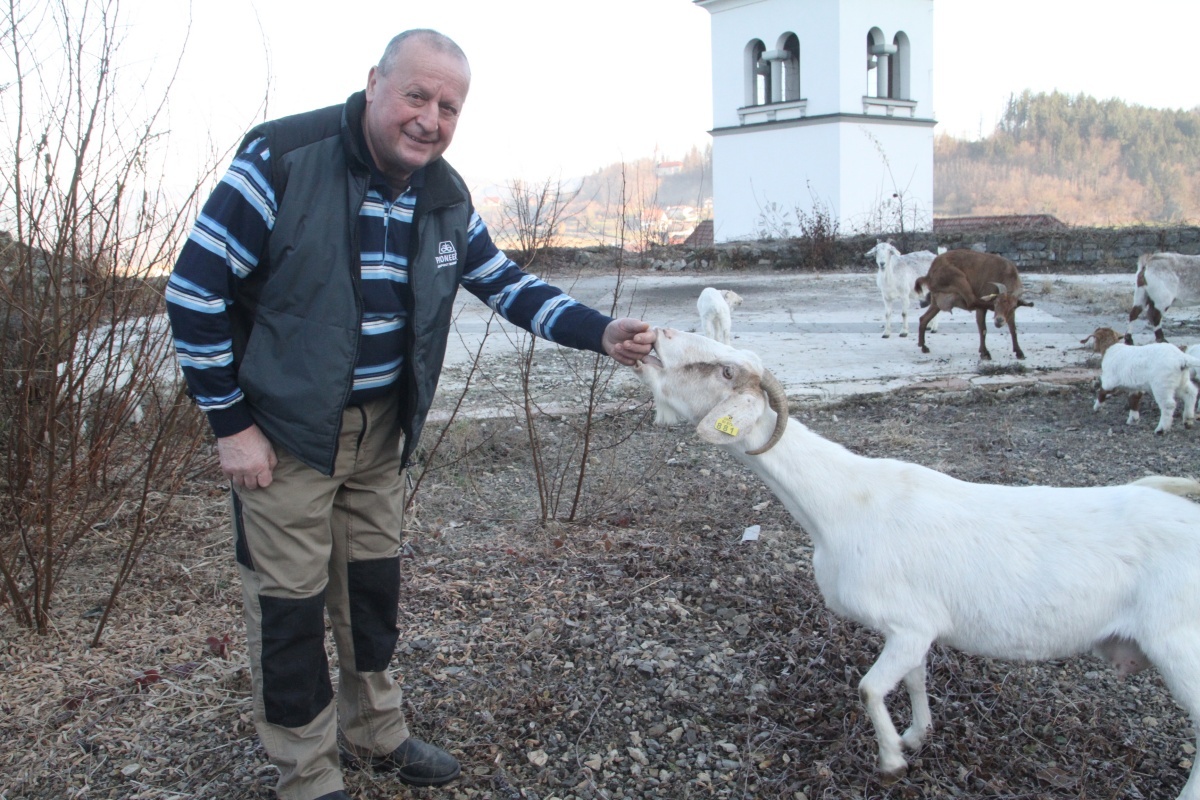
{"points": [[1161, 281], [896, 278], [715, 317], [1011, 572]]}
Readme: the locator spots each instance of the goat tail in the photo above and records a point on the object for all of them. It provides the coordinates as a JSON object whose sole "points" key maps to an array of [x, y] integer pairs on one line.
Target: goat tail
{"points": [[1193, 363], [1180, 486], [919, 286]]}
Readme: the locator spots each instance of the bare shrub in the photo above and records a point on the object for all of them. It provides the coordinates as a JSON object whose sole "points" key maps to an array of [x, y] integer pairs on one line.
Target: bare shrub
{"points": [[96, 433]]}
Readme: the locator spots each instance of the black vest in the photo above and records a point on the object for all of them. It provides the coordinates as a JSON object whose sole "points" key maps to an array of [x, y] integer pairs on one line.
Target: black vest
{"points": [[297, 318]]}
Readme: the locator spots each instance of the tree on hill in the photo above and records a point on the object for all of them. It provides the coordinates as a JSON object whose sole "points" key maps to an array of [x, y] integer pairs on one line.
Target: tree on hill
{"points": [[1087, 161]]}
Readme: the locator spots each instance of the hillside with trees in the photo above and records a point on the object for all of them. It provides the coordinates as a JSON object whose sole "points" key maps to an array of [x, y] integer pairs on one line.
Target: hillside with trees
{"points": [[1086, 161]]}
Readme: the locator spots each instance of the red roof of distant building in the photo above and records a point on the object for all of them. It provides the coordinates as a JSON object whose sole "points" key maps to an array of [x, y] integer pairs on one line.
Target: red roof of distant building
{"points": [[702, 236]]}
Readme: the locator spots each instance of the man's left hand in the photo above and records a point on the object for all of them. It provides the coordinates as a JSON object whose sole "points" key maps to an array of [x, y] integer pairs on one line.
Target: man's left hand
{"points": [[628, 340]]}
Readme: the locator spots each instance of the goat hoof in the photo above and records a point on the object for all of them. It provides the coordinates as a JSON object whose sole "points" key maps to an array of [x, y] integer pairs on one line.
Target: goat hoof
{"points": [[985, 356], [1128, 339], [886, 335], [924, 349], [893, 774], [904, 336]]}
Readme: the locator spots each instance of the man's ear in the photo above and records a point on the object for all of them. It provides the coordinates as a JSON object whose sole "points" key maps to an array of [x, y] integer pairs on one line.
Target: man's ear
{"points": [[730, 421]]}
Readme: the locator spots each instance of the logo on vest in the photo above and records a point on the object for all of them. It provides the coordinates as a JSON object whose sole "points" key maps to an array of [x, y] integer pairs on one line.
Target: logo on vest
{"points": [[447, 256]]}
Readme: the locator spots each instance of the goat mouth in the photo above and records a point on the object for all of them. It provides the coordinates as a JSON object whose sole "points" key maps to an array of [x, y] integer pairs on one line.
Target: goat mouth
{"points": [[651, 359]]}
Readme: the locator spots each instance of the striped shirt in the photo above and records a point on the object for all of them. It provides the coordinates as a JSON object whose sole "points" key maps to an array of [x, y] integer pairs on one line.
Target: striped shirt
{"points": [[230, 237]]}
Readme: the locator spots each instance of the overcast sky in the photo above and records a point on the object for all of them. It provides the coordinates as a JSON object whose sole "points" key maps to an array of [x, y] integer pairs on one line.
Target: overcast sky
{"points": [[563, 87]]}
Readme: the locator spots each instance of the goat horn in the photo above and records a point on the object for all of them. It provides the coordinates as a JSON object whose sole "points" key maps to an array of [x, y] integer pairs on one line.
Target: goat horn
{"points": [[777, 397], [1002, 289]]}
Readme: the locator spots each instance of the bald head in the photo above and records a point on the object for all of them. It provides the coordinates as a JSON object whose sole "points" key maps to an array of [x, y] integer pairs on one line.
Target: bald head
{"points": [[437, 42]]}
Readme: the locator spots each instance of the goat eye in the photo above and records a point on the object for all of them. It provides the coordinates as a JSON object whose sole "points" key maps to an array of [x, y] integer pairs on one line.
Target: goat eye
{"points": [[727, 372]]}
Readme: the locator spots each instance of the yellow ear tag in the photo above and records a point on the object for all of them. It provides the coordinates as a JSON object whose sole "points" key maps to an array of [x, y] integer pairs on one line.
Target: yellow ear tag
{"points": [[725, 425]]}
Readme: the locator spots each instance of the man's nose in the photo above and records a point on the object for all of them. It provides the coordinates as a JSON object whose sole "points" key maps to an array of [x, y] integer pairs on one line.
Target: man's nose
{"points": [[427, 117]]}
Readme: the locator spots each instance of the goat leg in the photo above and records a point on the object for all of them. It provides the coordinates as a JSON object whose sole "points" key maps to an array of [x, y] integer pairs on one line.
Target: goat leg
{"points": [[1134, 313], [1012, 327], [981, 321], [1155, 318], [924, 324]]}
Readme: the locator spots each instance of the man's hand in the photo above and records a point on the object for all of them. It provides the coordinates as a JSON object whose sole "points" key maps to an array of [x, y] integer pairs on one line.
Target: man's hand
{"points": [[628, 340], [247, 458]]}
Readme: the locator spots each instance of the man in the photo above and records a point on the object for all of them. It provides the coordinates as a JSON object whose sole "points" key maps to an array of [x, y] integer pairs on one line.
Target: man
{"points": [[311, 308]]}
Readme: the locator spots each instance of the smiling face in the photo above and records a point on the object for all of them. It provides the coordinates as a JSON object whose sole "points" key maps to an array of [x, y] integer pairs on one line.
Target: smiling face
{"points": [[414, 99]]}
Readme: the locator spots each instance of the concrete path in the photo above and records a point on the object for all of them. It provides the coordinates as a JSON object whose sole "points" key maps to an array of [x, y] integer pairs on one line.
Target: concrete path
{"points": [[822, 334]]}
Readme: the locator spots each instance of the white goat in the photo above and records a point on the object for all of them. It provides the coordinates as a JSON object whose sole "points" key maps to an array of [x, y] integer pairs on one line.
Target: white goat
{"points": [[715, 318], [1014, 572], [1161, 368], [897, 278], [107, 360], [1161, 280]]}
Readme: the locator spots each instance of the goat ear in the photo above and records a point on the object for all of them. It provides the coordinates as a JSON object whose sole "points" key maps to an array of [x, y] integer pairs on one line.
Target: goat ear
{"points": [[1025, 303], [730, 421]]}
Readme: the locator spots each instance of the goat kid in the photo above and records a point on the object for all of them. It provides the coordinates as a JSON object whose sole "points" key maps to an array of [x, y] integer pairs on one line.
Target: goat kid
{"points": [[915, 555], [1161, 368], [716, 319], [975, 281], [1161, 280], [896, 278]]}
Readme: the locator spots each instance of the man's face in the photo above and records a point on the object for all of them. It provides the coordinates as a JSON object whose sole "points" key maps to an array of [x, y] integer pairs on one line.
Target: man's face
{"points": [[413, 108]]}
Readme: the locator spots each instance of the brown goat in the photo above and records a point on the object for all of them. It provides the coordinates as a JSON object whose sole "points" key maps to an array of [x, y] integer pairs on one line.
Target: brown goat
{"points": [[979, 282]]}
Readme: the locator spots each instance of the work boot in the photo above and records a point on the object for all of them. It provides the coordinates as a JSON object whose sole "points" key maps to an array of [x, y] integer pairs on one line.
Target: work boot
{"points": [[416, 763]]}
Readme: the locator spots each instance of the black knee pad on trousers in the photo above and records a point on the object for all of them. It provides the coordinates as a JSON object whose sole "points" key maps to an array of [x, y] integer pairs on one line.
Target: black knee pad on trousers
{"points": [[295, 671], [374, 589]]}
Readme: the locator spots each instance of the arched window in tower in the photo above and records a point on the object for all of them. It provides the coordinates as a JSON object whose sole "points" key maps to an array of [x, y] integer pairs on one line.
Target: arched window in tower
{"points": [[757, 72], [879, 65], [900, 86], [785, 64]]}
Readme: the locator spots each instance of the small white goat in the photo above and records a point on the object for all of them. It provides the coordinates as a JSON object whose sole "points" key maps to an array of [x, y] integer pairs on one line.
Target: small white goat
{"points": [[107, 360], [923, 557], [1160, 368], [897, 278], [1162, 280], [715, 318]]}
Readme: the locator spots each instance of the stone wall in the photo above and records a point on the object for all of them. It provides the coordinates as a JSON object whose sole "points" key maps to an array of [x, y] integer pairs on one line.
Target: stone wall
{"points": [[1070, 250]]}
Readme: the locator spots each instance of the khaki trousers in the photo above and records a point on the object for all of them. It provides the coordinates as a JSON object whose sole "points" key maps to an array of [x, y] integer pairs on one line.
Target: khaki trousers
{"points": [[308, 545]]}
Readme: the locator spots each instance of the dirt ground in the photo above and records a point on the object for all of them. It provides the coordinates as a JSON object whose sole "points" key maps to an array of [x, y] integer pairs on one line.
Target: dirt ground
{"points": [[640, 649]]}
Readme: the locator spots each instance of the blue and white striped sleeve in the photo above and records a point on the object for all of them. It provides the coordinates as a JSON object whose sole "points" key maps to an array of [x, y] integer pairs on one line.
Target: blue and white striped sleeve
{"points": [[526, 300], [223, 248]]}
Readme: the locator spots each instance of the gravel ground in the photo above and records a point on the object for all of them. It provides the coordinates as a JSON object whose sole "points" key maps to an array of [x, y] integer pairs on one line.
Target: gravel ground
{"points": [[639, 650], [644, 651]]}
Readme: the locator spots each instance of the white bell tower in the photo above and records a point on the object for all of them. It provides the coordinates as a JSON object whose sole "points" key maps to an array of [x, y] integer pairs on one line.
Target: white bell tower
{"points": [[821, 107]]}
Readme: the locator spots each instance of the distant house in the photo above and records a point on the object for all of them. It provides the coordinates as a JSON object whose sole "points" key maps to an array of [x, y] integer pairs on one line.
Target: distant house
{"points": [[701, 236], [668, 168]]}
